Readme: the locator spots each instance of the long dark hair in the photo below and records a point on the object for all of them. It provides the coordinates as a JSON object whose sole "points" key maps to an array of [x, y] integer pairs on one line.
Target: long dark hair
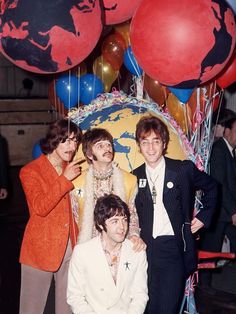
{"points": [[57, 133]]}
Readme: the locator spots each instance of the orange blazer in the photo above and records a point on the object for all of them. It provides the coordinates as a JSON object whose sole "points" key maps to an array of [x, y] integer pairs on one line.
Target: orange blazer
{"points": [[50, 223]]}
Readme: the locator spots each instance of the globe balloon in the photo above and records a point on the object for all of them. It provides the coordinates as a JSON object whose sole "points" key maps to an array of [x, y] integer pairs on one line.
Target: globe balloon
{"points": [[183, 43], [49, 36]]}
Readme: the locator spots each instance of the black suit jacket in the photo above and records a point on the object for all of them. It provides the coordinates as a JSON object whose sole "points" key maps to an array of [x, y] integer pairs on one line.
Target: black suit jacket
{"points": [[223, 169], [182, 179]]}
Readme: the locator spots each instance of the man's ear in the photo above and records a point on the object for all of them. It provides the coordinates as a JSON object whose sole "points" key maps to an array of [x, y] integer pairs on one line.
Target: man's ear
{"points": [[89, 156]]}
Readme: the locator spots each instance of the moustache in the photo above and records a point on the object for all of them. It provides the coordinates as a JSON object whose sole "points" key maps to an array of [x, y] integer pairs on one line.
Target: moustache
{"points": [[108, 153]]}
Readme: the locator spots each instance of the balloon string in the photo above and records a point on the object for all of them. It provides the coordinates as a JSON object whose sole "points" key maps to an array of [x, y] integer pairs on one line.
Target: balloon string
{"points": [[55, 96], [78, 91], [102, 59], [69, 90]]}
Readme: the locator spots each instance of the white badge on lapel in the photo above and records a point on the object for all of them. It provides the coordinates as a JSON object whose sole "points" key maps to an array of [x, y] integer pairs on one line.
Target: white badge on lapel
{"points": [[170, 185], [142, 183]]}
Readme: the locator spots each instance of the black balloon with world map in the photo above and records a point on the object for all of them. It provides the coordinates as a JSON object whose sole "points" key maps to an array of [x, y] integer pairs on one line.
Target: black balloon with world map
{"points": [[49, 36]]}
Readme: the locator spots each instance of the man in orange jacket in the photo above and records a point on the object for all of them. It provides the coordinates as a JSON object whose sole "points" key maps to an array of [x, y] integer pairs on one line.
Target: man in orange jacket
{"points": [[51, 231]]}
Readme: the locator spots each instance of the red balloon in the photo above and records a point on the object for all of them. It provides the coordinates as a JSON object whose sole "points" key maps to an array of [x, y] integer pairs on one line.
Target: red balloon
{"points": [[154, 89], [228, 76], [113, 49], [118, 11], [49, 36], [183, 43]]}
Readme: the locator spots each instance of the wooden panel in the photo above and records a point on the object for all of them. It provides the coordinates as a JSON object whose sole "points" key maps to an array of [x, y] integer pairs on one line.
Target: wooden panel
{"points": [[21, 139]]}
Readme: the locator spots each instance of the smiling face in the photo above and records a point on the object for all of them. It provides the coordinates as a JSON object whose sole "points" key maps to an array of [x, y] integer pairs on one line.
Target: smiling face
{"points": [[66, 151], [151, 147], [116, 229]]}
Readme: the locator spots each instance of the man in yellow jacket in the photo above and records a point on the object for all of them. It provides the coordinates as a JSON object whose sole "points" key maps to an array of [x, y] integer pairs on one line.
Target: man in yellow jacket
{"points": [[102, 177]]}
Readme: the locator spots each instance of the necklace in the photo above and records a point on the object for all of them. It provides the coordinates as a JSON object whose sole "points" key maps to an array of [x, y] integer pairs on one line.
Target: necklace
{"points": [[102, 183], [154, 191], [102, 175]]}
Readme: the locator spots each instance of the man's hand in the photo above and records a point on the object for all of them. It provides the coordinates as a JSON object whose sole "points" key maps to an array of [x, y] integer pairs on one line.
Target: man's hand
{"points": [[138, 244], [196, 224], [73, 169], [3, 194], [234, 219]]}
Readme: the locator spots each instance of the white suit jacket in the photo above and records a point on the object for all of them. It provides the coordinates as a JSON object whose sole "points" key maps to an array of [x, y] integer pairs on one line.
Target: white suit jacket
{"points": [[91, 288]]}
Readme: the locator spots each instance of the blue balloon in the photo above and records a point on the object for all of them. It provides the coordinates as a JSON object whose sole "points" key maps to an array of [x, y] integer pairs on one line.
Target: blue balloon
{"points": [[36, 151], [131, 63], [67, 89], [183, 94], [90, 87], [232, 4]]}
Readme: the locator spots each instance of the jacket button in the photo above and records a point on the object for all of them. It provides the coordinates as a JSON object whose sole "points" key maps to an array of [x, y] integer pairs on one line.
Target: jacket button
{"points": [[66, 225]]}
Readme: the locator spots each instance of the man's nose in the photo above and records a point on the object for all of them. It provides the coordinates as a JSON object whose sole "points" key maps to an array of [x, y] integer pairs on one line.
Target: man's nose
{"points": [[151, 145], [121, 225], [73, 145]]}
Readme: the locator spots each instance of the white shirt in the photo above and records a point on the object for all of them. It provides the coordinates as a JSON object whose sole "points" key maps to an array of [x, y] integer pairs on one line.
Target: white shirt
{"points": [[161, 222]]}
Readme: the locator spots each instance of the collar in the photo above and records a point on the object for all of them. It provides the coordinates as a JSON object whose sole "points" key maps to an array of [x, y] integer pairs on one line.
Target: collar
{"points": [[154, 171], [55, 163], [102, 175], [228, 145], [111, 252]]}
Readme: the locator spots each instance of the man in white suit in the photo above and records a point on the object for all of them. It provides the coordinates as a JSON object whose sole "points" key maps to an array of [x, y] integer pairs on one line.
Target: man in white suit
{"points": [[105, 274]]}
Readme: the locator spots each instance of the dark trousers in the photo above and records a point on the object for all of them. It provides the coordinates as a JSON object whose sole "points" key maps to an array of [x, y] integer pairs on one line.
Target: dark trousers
{"points": [[166, 277]]}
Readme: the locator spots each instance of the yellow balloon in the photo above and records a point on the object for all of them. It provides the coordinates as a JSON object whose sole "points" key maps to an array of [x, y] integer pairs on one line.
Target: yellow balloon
{"points": [[178, 111], [123, 29], [105, 72]]}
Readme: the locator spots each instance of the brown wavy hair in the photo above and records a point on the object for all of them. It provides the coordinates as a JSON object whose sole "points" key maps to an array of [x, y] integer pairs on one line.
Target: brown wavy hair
{"points": [[57, 133], [108, 206], [93, 136], [151, 123]]}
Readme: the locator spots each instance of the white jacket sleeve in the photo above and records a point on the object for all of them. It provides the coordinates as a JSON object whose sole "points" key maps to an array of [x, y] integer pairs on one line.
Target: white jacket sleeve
{"points": [[76, 285], [139, 290]]}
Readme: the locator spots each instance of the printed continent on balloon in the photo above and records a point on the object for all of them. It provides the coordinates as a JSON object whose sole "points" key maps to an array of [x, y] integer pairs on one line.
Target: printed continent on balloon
{"points": [[118, 11]]}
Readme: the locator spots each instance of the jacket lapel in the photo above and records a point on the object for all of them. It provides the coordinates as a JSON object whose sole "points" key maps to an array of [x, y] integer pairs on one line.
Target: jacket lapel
{"points": [[169, 179], [123, 273], [143, 185], [106, 273]]}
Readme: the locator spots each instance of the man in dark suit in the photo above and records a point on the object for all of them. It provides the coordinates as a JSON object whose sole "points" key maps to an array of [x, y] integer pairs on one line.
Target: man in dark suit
{"points": [[223, 169], [165, 205]]}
